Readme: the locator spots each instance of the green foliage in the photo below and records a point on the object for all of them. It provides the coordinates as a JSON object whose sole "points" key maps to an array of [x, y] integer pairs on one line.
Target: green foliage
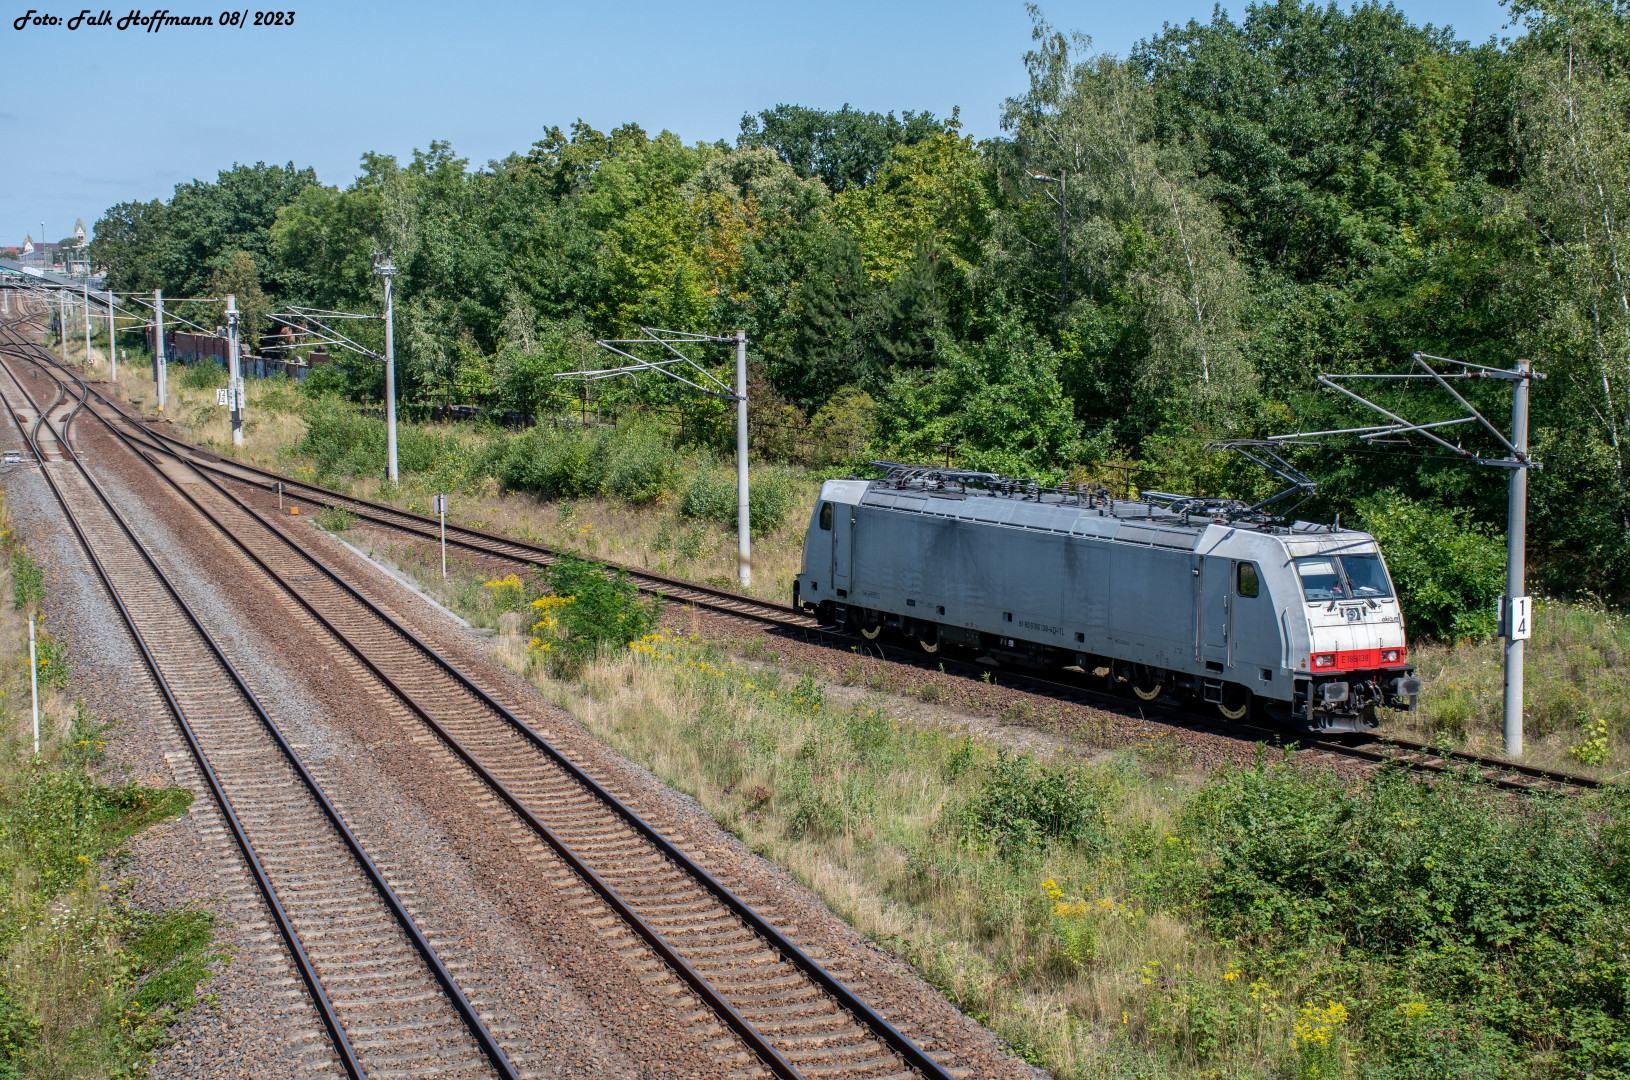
{"points": [[606, 608], [843, 147], [1504, 919], [1448, 570], [204, 375], [1001, 407], [51, 657], [634, 463], [27, 579], [237, 275], [711, 495], [1024, 806], [342, 440], [336, 519]]}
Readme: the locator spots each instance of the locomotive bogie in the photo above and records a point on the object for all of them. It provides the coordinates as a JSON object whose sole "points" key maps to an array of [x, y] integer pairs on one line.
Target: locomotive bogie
{"points": [[1300, 625]]}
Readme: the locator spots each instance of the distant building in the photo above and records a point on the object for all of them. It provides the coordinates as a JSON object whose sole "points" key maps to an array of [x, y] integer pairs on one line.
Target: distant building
{"points": [[41, 255]]}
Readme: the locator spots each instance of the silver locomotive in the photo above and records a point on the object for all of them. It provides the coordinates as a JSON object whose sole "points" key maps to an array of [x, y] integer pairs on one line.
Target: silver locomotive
{"points": [[1190, 599]]}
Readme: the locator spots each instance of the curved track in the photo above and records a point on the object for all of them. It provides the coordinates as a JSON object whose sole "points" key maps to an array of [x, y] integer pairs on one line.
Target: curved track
{"points": [[794, 1016], [386, 999], [1389, 750]]}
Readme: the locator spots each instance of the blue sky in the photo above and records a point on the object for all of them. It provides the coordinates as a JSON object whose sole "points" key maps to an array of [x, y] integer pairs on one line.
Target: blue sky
{"points": [[97, 116]]}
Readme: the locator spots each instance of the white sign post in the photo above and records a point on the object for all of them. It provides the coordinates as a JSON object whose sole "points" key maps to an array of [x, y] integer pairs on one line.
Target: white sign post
{"points": [[34, 683], [441, 508]]}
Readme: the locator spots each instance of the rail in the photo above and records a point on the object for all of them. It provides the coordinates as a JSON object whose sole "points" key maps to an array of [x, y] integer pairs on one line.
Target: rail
{"points": [[307, 971], [881, 1029]]}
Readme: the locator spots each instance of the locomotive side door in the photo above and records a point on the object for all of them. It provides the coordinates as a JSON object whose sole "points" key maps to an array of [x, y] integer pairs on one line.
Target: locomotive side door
{"points": [[843, 517], [1216, 607]]}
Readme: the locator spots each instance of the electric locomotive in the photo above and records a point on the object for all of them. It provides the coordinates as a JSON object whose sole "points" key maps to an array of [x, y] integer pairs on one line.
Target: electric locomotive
{"points": [[1202, 599]]}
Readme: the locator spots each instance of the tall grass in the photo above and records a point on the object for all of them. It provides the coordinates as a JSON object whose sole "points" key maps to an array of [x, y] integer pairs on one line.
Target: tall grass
{"points": [[1113, 920], [1577, 690]]}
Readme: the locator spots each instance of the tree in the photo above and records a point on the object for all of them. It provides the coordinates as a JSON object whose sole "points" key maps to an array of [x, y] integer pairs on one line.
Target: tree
{"points": [[208, 221], [127, 245], [844, 149], [999, 406], [1145, 241], [236, 276]]}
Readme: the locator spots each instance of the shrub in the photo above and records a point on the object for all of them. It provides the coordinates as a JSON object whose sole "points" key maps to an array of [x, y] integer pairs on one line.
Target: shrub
{"points": [[51, 657], [633, 462], [1502, 914], [711, 496], [591, 607], [336, 519], [1023, 806], [203, 375], [1447, 568], [342, 439]]}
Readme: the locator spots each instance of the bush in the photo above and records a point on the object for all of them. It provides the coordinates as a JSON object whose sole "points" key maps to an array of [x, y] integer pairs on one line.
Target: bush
{"points": [[341, 439], [633, 462], [203, 375], [27, 579], [1024, 806], [591, 607], [1448, 569], [711, 496], [1496, 916]]}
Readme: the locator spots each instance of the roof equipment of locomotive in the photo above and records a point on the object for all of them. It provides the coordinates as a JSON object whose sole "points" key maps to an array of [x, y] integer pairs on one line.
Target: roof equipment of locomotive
{"points": [[1212, 599]]}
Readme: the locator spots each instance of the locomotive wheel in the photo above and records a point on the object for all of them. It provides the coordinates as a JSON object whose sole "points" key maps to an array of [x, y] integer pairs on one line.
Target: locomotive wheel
{"points": [[1145, 683], [930, 645], [870, 633], [1235, 702]]}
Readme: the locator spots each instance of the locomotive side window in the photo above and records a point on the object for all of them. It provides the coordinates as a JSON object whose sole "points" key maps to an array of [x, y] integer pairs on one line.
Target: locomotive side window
{"points": [[1366, 576], [826, 516], [1321, 578], [1248, 584]]}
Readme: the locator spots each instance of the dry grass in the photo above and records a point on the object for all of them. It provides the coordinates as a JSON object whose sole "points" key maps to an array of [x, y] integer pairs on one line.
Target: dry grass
{"points": [[1577, 694], [653, 537], [862, 805]]}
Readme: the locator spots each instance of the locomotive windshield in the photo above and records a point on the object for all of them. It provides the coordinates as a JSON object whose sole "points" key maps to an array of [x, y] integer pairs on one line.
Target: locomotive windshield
{"points": [[1343, 577], [1366, 576]]}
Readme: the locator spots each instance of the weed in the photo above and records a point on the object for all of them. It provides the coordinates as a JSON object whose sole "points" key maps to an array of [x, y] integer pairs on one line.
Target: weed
{"points": [[27, 579], [51, 656], [1024, 806], [204, 375], [335, 519], [1595, 748], [592, 607]]}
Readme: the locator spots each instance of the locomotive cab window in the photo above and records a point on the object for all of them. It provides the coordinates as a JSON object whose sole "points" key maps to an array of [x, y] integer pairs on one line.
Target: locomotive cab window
{"points": [[1343, 577], [1366, 577], [1321, 578], [1248, 583], [826, 516]]}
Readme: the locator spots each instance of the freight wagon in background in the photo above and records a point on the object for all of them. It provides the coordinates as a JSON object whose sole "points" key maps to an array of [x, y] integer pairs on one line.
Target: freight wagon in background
{"points": [[181, 347], [1297, 623]]}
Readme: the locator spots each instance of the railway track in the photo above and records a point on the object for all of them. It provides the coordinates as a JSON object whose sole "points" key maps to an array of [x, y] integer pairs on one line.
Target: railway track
{"points": [[385, 998], [1383, 750], [479, 541], [794, 1016]]}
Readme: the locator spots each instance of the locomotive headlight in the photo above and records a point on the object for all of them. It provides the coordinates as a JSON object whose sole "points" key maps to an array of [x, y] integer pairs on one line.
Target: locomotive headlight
{"points": [[1324, 660], [1391, 656]]}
